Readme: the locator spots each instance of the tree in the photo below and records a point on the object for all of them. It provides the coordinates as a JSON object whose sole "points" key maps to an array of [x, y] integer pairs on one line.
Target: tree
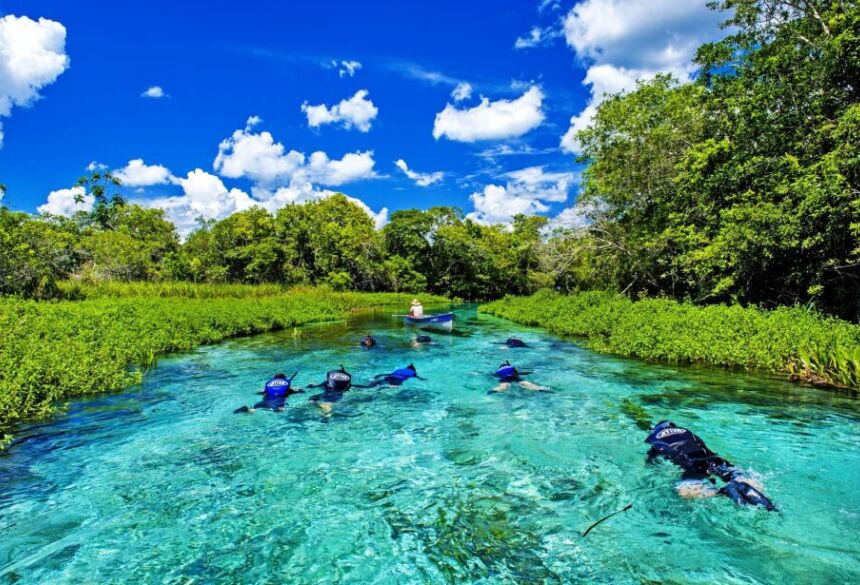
{"points": [[102, 185]]}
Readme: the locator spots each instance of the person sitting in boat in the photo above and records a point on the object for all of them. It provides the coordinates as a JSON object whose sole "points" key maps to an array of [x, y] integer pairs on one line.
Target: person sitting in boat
{"points": [[395, 378], [416, 311], [368, 341], [508, 374], [275, 394], [689, 452]]}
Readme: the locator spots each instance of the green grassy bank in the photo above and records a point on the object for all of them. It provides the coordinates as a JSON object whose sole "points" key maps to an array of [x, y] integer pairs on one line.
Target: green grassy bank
{"points": [[104, 342], [797, 342]]}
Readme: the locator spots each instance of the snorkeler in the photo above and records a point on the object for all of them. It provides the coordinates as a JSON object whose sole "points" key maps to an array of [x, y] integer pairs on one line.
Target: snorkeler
{"points": [[512, 342], [275, 394], [686, 450], [336, 383], [423, 339], [395, 378], [508, 374], [368, 341]]}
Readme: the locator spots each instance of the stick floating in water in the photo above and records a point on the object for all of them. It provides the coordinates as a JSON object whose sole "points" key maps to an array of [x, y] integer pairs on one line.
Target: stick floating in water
{"points": [[607, 517]]}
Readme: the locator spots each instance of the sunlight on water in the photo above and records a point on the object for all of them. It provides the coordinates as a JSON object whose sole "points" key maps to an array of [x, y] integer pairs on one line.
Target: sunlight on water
{"points": [[433, 482]]}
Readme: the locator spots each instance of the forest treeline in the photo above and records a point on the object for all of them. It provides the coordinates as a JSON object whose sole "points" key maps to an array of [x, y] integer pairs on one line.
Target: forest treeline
{"points": [[742, 186]]}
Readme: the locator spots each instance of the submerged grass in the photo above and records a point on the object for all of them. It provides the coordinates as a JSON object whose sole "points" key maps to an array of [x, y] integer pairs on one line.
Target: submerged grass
{"points": [[55, 350], [806, 345]]}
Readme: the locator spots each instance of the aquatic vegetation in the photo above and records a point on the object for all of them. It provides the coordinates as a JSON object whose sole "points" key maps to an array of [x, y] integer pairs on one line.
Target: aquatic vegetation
{"points": [[727, 336], [829, 365], [477, 538], [638, 414], [55, 350]]}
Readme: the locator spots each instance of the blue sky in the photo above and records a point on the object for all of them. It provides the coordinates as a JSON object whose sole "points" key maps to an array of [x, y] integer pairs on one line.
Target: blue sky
{"points": [[377, 82]]}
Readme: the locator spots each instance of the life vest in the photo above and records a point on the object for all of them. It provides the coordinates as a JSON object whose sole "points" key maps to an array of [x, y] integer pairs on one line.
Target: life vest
{"points": [[338, 380], [507, 372], [403, 373], [684, 449], [278, 386]]}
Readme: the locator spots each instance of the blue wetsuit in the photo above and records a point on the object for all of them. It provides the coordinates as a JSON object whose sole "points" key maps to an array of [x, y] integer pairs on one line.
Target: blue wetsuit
{"points": [[396, 378]]}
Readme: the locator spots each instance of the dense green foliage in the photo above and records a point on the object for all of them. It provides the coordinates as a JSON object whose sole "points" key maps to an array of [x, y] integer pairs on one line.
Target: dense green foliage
{"points": [[54, 350], [329, 242], [661, 329], [743, 186]]}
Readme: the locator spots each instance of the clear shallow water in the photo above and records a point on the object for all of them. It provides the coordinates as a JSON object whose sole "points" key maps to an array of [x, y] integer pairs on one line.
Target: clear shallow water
{"points": [[434, 482]]}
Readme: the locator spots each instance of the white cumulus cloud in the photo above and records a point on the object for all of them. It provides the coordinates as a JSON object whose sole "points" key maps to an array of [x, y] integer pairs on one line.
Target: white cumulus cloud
{"points": [[279, 177], [526, 191], [204, 195], [491, 120], [536, 37], [256, 155], [462, 91], [627, 40], [331, 172], [357, 112], [139, 174], [347, 68], [154, 92], [421, 179], [32, 56], [65, 202]]}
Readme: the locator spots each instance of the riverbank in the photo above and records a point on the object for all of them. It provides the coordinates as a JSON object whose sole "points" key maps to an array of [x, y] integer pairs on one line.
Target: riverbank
{"points": [[796, 342], [104, 343]]}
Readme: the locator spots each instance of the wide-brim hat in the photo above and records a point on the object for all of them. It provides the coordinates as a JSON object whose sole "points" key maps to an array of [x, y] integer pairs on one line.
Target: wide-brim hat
{"points": [[416, 302]]}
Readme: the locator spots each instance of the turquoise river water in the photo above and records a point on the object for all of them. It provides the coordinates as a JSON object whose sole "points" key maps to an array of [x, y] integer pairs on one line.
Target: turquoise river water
{"points": [[433, 482]]}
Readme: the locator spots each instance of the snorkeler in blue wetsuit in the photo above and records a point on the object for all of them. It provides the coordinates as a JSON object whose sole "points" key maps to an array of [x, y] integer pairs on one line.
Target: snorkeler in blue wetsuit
{"points": [[686, 450], [395, 378], [275, 394], [508, 374]]}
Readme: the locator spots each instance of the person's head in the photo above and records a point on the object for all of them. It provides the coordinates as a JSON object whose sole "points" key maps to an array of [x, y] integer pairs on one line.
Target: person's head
{"points": [[423, 339], [280, 376], [411, 367], [514, 342], [663, 424]]}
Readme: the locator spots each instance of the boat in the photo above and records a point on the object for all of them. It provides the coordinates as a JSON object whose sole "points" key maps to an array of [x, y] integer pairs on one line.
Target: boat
{"points": [[443, 322]]}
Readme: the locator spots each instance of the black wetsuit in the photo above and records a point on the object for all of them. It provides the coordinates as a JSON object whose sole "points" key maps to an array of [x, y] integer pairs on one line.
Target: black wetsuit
{"points": [[683, 448], [337, 383], [687, 451]]}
